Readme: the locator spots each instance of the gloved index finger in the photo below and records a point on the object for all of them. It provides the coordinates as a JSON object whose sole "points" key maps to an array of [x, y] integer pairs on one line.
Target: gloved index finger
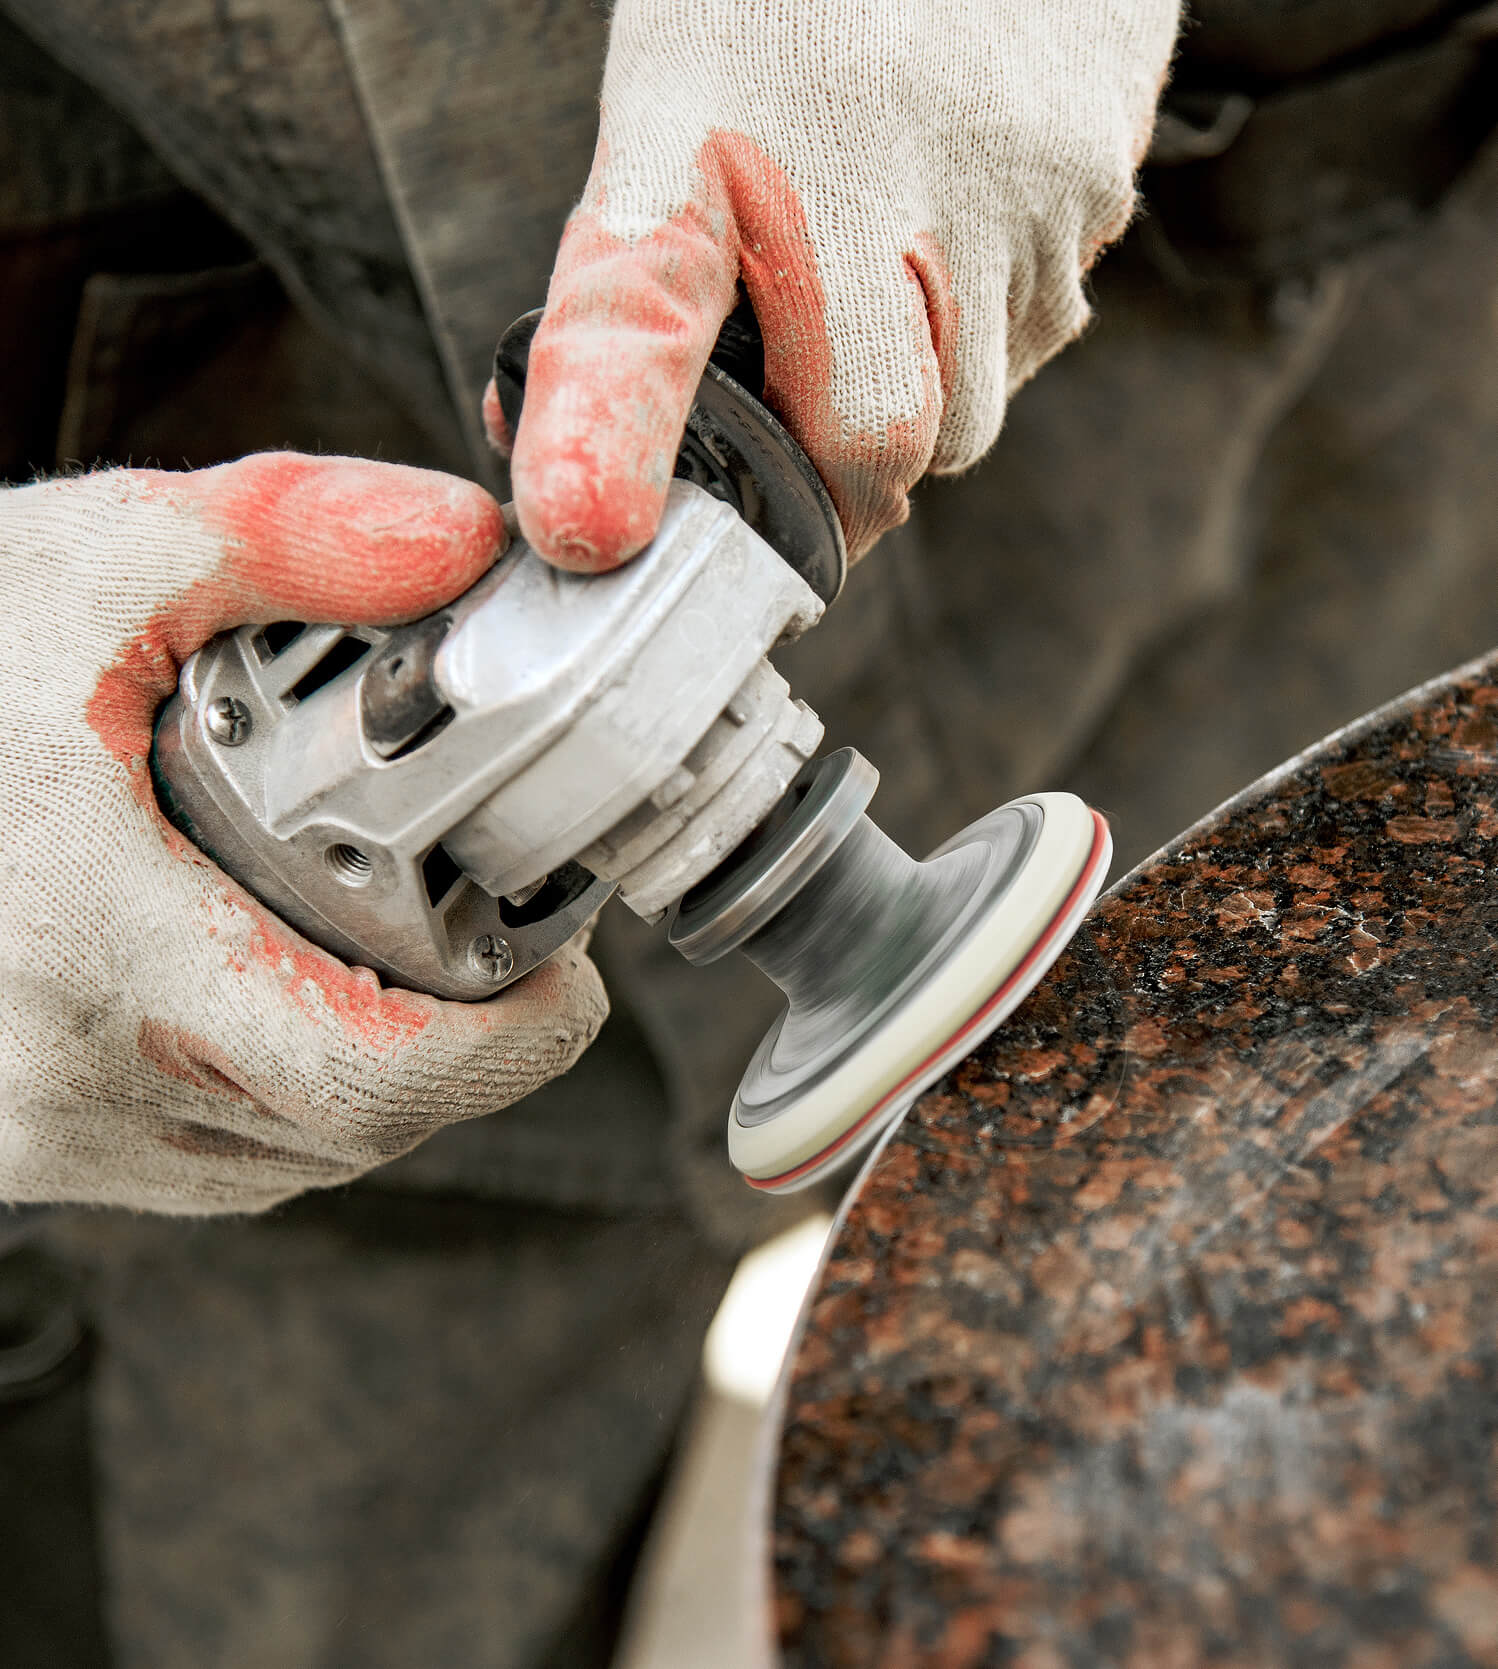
{"points": [[613, 369]]}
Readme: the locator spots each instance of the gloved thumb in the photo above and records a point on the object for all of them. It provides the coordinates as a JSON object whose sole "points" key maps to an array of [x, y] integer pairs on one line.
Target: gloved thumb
{"points": [[281, 536]]}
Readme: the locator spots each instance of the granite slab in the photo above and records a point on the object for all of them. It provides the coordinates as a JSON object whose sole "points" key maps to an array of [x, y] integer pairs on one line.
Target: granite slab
{"points": [[1164, 1331]]}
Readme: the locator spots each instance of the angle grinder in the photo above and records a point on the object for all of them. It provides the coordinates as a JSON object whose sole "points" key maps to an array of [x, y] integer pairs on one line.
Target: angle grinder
{"points": [[449, 802]]}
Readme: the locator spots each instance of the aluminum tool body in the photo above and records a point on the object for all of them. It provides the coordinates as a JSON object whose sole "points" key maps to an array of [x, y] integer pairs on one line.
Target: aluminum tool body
{"points": [[450, 801]]}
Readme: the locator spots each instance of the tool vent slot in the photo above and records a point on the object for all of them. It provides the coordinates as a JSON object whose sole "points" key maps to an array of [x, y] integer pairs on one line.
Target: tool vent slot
{"points": [[440, 874], [347, 652], [279, 635]]}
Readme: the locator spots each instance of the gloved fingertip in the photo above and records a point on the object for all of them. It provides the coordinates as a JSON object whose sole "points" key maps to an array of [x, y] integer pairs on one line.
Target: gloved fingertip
{"points": [[433, 536], [576, 553], [580, 556], [580, 519]]}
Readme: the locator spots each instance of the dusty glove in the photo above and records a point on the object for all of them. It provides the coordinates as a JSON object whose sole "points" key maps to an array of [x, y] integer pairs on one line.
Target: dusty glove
{"points": [[911, 195], [165, 1042]]}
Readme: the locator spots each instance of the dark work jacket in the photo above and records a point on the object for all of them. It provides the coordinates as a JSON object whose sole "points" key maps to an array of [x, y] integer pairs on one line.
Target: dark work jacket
{"points": [[1297, 131]]}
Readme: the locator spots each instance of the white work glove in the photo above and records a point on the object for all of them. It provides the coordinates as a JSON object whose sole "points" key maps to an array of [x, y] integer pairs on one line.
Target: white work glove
{"points": [[165, 1042], [911, 195]]}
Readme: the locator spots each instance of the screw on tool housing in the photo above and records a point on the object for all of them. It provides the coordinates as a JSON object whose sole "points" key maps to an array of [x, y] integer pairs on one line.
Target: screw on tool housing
{"points": [[228, 721], [490, 957]]}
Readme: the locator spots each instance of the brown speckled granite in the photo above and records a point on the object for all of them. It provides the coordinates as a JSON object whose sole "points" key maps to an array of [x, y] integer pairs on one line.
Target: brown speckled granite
{"points": [[1165, 1331]]}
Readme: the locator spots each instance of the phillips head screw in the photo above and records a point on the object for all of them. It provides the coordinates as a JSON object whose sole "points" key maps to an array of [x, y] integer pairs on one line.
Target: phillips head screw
{"points": [[228, 721], [491, 958]]}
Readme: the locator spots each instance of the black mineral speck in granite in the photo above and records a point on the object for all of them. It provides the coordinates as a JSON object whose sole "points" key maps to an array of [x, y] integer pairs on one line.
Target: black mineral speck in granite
{"points": [[1165, 1330]]}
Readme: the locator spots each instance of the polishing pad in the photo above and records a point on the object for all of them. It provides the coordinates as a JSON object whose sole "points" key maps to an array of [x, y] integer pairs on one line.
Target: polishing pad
{"points": [[894, 969]]}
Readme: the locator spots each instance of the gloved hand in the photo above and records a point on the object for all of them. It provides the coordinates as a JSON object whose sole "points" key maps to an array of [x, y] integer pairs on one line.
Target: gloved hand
{"points": [[165, 1042], [911, 196]]}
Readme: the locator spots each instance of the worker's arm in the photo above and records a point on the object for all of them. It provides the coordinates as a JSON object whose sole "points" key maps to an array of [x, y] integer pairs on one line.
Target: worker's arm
{"points": [[910, 194], [165, 1042]]}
